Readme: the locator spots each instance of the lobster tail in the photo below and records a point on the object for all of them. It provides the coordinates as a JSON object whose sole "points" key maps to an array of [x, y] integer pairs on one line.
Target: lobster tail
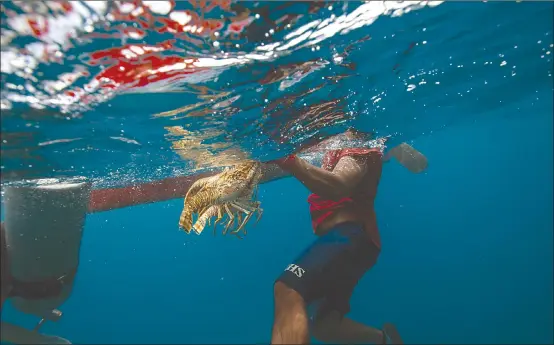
{"points": [[204, 217], [195, 204], [185, 221]]}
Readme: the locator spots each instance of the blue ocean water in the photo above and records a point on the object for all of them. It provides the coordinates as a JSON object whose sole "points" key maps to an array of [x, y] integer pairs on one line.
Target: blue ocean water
{"points": [[467, 245]]}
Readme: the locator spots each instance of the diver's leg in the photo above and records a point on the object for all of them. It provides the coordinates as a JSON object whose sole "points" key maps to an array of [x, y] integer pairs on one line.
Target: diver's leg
{"points": [[311, 277], [290, 325], [334, 328], [337, 329], [298, 286], [330, 324]]}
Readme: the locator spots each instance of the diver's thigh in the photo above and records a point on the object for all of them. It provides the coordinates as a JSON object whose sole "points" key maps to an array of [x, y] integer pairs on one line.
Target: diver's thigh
{"points": [[312, 271]]}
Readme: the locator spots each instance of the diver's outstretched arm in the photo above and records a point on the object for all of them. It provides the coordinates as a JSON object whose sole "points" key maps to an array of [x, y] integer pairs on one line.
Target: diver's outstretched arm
{"points": [[271, 171], [177, 187], [408, 157]]}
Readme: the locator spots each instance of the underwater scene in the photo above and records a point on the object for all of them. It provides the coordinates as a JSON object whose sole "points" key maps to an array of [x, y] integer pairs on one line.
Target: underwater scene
{"points": [[284, 172]]}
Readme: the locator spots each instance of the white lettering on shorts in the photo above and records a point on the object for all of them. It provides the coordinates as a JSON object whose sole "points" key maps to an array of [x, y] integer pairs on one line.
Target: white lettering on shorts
{"points": [[297, 270]]}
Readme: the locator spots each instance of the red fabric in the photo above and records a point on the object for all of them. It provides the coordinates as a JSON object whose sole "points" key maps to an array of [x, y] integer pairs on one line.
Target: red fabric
{"points": [[321, 208]]}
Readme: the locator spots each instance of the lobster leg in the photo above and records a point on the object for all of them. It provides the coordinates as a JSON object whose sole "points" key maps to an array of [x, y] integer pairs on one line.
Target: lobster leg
{"points": [[219, 217], [231, 219], [248, 210], [241, 207], [246, 219], [260, 212]]}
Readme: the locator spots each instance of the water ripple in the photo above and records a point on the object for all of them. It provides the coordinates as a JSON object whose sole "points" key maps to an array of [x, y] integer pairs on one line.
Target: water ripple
{"points": [[131, 90]]}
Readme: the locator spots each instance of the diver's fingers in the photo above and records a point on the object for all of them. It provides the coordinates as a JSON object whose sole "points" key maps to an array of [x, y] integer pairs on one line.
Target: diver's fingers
{"points": [[409, 157]]}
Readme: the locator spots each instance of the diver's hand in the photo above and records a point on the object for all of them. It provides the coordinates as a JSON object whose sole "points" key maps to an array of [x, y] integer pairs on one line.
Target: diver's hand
{"points": [[408, 157]]}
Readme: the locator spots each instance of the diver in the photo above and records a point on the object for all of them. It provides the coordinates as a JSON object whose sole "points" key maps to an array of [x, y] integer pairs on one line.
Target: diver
{"points": [[38, 285], [348, 245]]}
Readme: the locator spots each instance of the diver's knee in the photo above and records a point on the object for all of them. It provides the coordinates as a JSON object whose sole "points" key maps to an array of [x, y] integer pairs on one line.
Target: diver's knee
{"points": [[286, 296], [281, 290]]}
